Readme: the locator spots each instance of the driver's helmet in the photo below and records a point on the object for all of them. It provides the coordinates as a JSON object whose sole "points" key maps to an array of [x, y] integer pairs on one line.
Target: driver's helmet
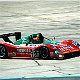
{"points": [[36, 37]]}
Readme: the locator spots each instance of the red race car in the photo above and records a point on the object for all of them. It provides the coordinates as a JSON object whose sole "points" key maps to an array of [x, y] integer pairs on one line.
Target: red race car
{"points": [[34, 46]]}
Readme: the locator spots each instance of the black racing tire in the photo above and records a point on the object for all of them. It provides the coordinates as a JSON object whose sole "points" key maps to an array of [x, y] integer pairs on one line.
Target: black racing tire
{"points": [[44, 53], [3, 52]]}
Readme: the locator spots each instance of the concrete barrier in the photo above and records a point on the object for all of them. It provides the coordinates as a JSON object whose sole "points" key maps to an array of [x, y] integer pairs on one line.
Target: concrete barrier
{"points": [[63, 77]]}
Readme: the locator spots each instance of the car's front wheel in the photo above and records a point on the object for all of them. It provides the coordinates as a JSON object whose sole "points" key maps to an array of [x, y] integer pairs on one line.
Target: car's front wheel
{"points": [[3, 52], [44, 53]]}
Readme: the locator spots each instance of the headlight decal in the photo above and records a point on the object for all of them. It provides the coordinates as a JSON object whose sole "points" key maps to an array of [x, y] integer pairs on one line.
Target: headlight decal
{"points": [[57, 52], [54, 47]]}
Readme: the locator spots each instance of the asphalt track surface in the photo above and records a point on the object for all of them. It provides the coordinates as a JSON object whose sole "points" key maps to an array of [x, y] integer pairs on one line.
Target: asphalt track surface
{"points": [[52, 18]]}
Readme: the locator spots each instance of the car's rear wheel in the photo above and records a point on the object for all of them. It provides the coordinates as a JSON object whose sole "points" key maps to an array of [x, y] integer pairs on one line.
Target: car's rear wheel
{"points": [[3, 52], [44, 53]]}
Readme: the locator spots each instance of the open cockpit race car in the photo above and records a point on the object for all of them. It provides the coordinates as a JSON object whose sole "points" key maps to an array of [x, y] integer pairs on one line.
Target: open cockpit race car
{"points": [[33, 46]]}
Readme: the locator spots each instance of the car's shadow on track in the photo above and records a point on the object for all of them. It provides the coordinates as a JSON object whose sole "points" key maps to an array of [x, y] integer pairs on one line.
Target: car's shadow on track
{"points": [[71, 55]]}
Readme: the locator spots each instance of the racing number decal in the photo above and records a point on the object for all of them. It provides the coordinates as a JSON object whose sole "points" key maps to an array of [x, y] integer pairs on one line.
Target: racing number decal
{"points": [[34, 53]]}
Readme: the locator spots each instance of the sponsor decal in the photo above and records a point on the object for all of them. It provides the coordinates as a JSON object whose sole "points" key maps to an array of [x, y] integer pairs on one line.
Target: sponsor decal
{"points": [[63, 48], [24, 53], [11, 54], [34, 45], [23, 50]]}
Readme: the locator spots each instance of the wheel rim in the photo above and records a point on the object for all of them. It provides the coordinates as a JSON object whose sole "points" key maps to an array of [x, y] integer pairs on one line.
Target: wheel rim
{"points": [[2, 51], [44, 52]]}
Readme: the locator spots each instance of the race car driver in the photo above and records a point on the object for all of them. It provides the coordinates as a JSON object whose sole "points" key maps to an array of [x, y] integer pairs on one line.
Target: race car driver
{"points": [[31, 39]]}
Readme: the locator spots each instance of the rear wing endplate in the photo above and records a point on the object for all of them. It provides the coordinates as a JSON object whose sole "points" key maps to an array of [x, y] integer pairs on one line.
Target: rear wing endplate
{"points": [[6, 36]]}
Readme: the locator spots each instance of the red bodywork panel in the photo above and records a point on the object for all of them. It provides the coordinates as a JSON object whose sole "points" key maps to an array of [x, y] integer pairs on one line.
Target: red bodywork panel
{"points": [[32, 50]]}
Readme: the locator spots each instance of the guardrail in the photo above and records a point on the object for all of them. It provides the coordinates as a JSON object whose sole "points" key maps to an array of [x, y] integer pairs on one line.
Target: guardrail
{"points": [[62, 77]]}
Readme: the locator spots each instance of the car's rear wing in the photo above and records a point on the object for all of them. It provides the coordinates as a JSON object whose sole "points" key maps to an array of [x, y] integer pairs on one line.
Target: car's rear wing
{"points": [[6, 36]]}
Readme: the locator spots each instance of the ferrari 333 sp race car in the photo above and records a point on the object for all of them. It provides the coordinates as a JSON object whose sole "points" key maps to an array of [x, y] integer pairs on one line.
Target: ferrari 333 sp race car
{"points": [[33, 46]]}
